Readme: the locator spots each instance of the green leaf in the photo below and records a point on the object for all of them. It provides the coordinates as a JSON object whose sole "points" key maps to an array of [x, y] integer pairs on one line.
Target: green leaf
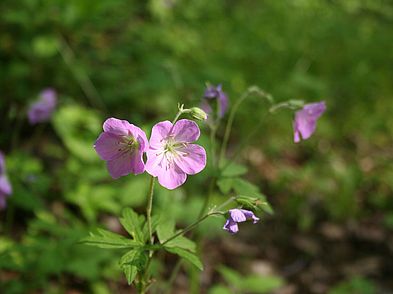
{"points": [[261, 284], [234, 170], [155, 220], [187, 255], [251, 283], [225, 185], [45, 46], [78, 128], [220, 289], [165, 230], [245, 187], [132, 262], [106, 239], [231, 277], [130, 271], [266, 207], [182, 242], [132, 224], [136, 257]]}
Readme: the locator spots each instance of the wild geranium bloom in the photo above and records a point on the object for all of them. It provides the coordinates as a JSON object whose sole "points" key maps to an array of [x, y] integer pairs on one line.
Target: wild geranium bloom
{"points": [[5, 186], [122, 145], [238, 216], [213, 92], [41, 110], [171, 156], [306, 120]]}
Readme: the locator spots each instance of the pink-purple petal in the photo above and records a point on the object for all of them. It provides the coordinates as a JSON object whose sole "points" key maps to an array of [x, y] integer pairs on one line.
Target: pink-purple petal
{"points": [[305, 121], [231, 226], [237, 215], [186, 130], [172, 178], [119, 166], [250, 215], [159, 133], [5, 185], [107, 146], [154, 162], [116, 126], [191, 158]]}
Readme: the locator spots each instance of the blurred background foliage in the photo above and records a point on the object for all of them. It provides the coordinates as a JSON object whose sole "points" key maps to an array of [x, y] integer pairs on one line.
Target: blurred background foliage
{"points": [[135, 60]]}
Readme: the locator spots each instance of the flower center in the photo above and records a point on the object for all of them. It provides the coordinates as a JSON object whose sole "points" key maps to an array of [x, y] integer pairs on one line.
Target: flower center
{"points": [[172, 146], [128, 144]]}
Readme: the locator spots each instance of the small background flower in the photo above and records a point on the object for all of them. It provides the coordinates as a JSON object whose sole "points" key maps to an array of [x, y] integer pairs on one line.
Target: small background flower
{"points": [[212, 93], [5, 186], [305, 121], [41, 110], [237, 216]]}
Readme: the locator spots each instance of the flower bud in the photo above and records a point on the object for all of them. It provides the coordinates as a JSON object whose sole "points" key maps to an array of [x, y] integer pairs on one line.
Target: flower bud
{"points": [[198, 113]]}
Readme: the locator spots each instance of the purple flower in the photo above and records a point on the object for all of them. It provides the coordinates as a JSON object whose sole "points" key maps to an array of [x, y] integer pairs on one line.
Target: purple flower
{"points": [[5, 186], [215, 93], [238, 216], [171, 156], [122, 145], [306, 120], [41, 110]]}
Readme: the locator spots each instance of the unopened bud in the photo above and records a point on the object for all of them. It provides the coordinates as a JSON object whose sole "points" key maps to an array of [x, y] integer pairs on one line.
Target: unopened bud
{"points": [[198, 113]]}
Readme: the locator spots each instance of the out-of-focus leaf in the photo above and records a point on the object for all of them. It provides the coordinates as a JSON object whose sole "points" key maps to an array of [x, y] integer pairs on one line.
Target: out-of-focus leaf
{"points": [[78, 127], [234, 170]]}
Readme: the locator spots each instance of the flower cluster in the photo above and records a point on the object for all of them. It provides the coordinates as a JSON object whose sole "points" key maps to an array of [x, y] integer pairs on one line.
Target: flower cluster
{"points": [[171, 156], [5, 186], [41, 110]]}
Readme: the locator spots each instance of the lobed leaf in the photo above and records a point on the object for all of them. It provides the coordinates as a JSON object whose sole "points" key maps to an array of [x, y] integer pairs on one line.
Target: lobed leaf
{"points": [[187, 255], [132, 223], [105, 239], [165, 230]]}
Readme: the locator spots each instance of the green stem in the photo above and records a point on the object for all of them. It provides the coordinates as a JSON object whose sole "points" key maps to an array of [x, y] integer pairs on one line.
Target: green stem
{"points": [[192, 226], [215, 211], [280, 105], [251, 90], [144, 278], [149, 208]]}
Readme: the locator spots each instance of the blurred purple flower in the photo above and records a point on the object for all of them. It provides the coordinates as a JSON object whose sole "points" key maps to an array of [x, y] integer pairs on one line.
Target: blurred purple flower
{"points": [[5, 186], [122, 145], [171, 156], [238, 216], [306, 120], [41, 110], [213, 92]]}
